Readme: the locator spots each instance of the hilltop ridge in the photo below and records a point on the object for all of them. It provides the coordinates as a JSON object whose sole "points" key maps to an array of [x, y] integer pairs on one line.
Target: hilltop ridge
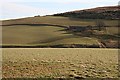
{"points": [[108, 12]]}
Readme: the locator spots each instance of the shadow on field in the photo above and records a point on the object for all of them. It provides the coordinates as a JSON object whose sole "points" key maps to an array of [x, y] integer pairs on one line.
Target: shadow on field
{"points": [[38, 25], [52, 39], [60, 78], [52, 46]]}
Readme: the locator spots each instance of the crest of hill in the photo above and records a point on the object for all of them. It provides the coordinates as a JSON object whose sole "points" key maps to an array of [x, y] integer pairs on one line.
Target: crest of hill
{"points": [[68, 18], [101, 9], [108, 12]]}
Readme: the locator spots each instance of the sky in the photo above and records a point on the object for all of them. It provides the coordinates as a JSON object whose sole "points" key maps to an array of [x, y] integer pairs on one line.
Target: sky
{"points": [[12, 9]]}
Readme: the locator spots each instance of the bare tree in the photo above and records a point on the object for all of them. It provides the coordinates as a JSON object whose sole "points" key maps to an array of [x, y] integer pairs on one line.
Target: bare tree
{"points": [[100, 24]]}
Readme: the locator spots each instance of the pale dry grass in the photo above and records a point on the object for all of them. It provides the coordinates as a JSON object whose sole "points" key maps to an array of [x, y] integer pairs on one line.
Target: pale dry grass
{"points": [[37, 62], [113, 30]]}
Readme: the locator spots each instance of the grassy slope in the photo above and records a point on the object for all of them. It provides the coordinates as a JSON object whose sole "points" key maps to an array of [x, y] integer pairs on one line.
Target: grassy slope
{"points": [[113, 30], [76, 40], [30, 34], [35, 34], [43, 35], [65, 21], [60, 63]]}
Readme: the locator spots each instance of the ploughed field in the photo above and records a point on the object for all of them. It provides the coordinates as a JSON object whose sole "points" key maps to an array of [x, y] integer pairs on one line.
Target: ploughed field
{"points": [[59, 63]]}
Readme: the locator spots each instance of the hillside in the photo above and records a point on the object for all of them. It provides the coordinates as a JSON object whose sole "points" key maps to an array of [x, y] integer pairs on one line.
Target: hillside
{"points": [[110, 12], [56, 20], [56, 32], [72, 18], [48, 20]]}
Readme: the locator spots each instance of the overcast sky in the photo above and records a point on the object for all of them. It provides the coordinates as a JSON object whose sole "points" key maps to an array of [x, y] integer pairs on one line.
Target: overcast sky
{"points": [[10, 9]]}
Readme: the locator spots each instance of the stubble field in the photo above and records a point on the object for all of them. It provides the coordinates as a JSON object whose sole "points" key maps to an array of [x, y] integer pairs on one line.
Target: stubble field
{"points": [[60, 63]]}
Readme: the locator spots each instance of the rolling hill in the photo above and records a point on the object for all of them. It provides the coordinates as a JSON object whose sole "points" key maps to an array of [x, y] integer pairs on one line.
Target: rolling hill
{"points": [[50, 31], [109, 12]]}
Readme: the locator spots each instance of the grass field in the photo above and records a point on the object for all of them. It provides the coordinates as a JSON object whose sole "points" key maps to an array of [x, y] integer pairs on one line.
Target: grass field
{"points": [[20, 34], [113, 30], [43, 35], [64, 63], [64, 21], [50, 31]]}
